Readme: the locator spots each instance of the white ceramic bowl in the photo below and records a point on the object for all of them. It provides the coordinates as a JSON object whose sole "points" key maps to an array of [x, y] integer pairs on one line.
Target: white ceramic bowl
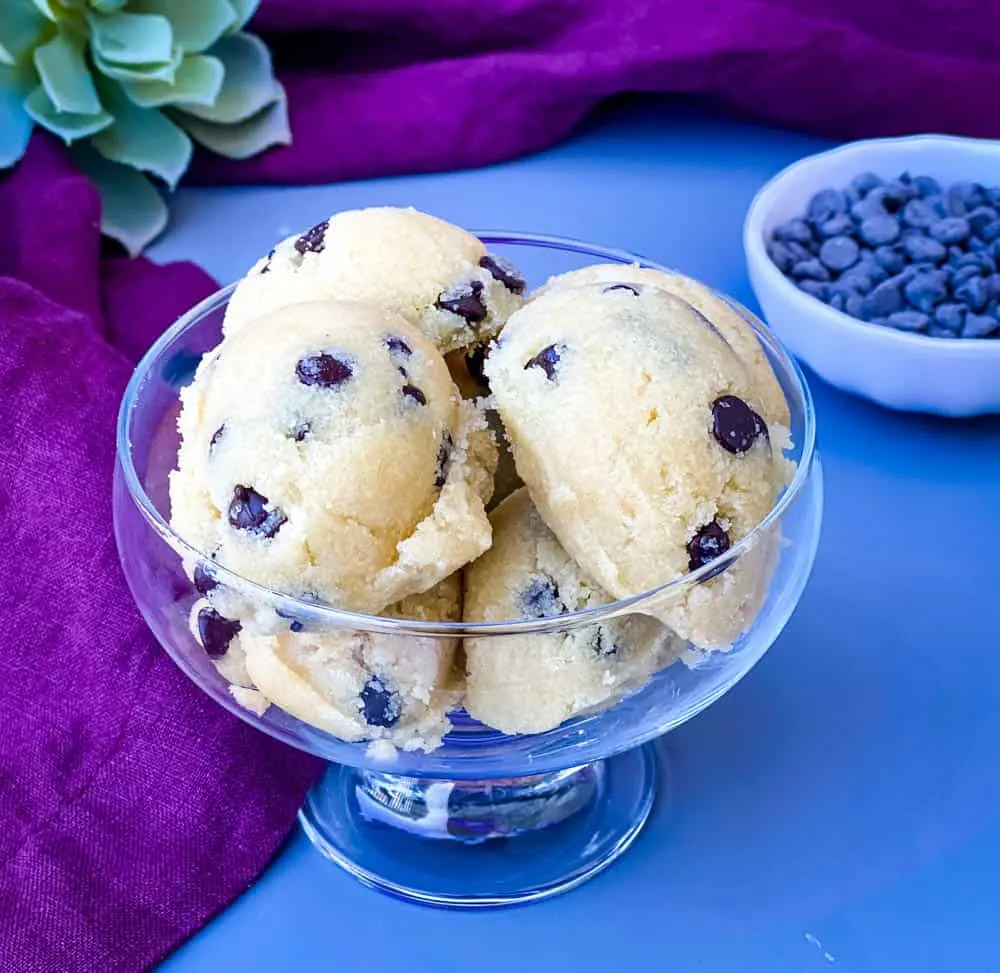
{"points": [[948, 376]]}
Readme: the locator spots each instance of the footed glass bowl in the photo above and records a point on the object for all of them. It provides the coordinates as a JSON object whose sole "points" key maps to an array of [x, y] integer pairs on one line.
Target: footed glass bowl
{"points": [[486, 819]]}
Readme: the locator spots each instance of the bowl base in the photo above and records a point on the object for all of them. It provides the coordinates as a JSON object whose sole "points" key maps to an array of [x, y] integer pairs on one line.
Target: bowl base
{"points": [[475, 844]]}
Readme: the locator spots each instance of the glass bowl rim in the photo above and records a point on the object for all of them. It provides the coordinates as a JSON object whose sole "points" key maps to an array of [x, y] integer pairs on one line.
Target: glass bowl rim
{"points": [[359, 621]]}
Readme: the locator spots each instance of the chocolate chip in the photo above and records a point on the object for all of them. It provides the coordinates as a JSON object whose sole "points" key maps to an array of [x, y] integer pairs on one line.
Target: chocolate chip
{"points": [[266, 269], [301, 430], [979, 326], [970, 193], [541, 598], [734, 424], [216, 436], [839, 225], [412, 392], [397, 346], [815, 288], [708, 543], [503, 271], [465, 300], [782, 256], [983, 262], [974, 292], [925, 291], [952, 229], [248, 511], [838, 253], [313, 241], [215, 632], [380, 706], [810, 269], [204, 582], [890, 259], [883, 300], [443, 459], [922, 249], [926, 185], [879, 229], [474, 362], [950, 317], [296, 626], [857, 279], [602, 643], [796, 231], [826, 204], [324, 370], [908, 320], [631, 288], [546, 360], [866, 182]]}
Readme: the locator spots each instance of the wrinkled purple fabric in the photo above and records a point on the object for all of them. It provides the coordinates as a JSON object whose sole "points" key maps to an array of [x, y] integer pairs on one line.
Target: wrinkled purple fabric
{"points": [[393, 86], [132, 807]]}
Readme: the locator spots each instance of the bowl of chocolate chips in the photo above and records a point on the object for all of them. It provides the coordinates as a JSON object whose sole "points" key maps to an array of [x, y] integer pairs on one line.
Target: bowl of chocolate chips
{"points": [[878, 264]]}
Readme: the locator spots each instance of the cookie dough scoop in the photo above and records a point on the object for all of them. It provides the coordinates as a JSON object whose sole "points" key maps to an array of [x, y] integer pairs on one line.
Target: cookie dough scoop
{"points": [[639, 432], [326, 453], [533, 682], [435, 274]]}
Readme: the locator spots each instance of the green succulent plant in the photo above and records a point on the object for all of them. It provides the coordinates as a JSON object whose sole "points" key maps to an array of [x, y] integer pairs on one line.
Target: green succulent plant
{"points": [[128, 84]]}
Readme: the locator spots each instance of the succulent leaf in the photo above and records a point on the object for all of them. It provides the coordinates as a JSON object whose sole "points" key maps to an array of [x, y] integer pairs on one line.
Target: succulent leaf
{"points": [[126, 38], [249, 85], [66, 125], [197, 81], [22, 26], [132, 210], [162, 71], [143, 138], [197, 24], [269, 127], [15, 123], [63, 72]]}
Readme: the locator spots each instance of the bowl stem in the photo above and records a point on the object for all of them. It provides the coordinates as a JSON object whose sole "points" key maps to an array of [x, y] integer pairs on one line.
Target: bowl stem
{"points": [[463, 843], [479, 810]]}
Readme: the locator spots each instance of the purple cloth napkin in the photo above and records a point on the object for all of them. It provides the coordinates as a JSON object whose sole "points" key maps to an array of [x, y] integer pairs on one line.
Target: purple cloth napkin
{"points": [[390, 86], [132, 807]]}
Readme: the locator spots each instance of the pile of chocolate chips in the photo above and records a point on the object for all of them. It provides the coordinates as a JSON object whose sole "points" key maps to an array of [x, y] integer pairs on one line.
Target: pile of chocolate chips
{"points": [[905, 253]]}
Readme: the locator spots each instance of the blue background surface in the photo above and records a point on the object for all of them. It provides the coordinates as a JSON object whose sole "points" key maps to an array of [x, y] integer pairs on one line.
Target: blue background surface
{"points": [[840, 809]]}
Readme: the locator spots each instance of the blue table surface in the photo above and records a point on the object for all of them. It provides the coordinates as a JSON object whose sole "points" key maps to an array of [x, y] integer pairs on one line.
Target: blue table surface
{"points": [[841, 807]]}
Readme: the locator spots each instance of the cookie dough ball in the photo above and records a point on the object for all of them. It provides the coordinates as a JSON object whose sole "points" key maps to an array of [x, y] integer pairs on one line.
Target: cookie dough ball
{"points": [[325, 451], [638, 431], [363, 685], [728, 321], [531, 683], [436, 275]]}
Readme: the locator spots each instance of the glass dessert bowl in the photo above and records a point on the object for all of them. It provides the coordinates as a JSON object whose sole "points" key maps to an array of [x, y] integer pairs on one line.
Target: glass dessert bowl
{"points": [[487, 818]]}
